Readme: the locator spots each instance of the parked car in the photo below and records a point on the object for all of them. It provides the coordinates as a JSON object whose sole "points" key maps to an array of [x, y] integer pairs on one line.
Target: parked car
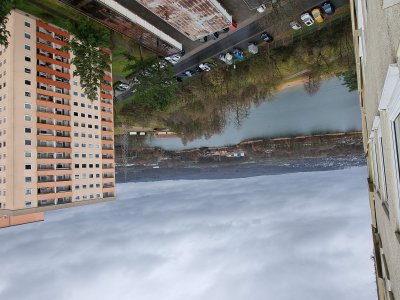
{"points": [[307, 19], [261, 8], [203, 39], [222, 31], [316, 13], [204, 67], [266, 37], [252, 48], [233, 26], [295, 25], [173, 59], [122, 87], [226, 58], [328, 8]]}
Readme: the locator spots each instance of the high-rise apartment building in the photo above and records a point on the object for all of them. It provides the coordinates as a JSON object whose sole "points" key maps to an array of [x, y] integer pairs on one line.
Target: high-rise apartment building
{"points": [[56, 145], [195, 19], [376, 28]]}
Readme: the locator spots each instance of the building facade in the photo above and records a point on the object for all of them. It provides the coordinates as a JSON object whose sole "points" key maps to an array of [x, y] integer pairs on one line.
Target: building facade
{"points": [[376, 28], [120, 19], [57, 146], [195, 19]]}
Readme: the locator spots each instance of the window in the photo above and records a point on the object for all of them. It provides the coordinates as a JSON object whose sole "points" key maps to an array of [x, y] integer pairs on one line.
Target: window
{"points": [[91, 185], [28, 154], [97, 185], [28, 130], [76, 103], [83, 155], [76, 166], [76, 134], [77, 187], [83, 135], [28, 70], [76, 114], [27, 58], [28, 142], [28, 191], [27, 82], [28, 167], [83, 165], [76, 155], [28, 204], [28, 94], [82, 104], [27, 35], [28, 179], [28, 105], [75, 93], [76, 176], [27, 47], [90, 165], [28, 118], [84, 186], [27, 24]]}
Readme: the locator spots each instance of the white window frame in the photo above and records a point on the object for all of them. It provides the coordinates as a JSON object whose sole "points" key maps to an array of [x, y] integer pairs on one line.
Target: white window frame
{"points": [[390, 103]]}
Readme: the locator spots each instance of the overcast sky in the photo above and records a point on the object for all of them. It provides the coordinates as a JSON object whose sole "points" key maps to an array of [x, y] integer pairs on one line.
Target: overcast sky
{"points": [[300, 236]]}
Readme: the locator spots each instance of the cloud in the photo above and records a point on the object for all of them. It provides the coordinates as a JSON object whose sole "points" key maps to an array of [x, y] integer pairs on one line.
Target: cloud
{"points": [[293, 236]]}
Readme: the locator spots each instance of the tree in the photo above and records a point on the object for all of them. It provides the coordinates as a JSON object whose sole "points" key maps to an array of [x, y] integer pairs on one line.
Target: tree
{"points": [[5, 7], [90, 61], [153, 81], [312, 84], [349, 80]]}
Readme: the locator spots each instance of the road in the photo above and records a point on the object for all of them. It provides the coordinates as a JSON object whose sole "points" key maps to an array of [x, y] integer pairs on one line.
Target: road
{"points": [[251, 33]]}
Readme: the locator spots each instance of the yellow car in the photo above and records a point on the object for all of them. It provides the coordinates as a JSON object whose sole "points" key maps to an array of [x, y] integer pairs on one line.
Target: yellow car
{"points": [[316, 13]]}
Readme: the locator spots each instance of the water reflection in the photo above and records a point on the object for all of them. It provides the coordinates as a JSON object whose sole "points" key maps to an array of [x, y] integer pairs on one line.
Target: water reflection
{"points": [[291, 112]]}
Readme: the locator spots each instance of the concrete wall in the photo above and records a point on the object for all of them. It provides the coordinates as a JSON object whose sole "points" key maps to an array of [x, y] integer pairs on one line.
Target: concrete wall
{"points": [[376, 38]]}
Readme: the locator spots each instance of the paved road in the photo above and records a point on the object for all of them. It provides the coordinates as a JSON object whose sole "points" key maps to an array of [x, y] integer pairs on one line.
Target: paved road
{"points": [[252, 32]]}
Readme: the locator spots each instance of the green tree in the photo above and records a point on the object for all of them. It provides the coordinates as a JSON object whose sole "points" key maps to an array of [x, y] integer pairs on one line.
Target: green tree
{"points": [[90, 61], [5, 7], [349, 80], [153, 82]]}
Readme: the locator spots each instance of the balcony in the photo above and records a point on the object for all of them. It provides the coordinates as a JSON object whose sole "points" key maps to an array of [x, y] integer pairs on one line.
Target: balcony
{"points": [[107, 147], [107, 156], [64, 200], [108, 175], [45, 179], [45, 191], [108, 166], [63, 189], [46, 202], [108, 195]]}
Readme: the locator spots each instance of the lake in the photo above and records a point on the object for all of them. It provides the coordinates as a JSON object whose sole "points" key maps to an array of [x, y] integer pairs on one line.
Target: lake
{"points": [[290, 112]]}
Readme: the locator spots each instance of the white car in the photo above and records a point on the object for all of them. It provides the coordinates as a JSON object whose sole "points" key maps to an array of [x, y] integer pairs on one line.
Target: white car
{"points": [[173, 59], [307, 19], [261, 8], [204, 67], [123, 87], [295, 25]]}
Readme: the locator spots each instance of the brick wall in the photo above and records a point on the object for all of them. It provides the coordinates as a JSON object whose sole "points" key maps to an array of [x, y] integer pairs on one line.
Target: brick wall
{"points": [[194, 19]]}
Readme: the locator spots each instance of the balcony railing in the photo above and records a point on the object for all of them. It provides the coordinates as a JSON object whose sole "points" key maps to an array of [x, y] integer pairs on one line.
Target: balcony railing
{"points": [[46, 202]]}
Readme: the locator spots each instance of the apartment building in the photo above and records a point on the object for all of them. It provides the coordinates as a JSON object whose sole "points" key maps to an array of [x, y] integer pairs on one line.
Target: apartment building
{"points": [[120, 19], [56, 145], [195, 19], [376, 28]]}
